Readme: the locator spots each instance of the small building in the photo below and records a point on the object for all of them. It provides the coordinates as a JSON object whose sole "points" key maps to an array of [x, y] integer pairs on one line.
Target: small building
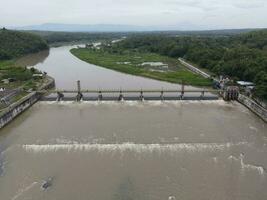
{"points": [[89, 46], [245, 84], [8, 80], [5, 81], [38, 76], [248, 87]]}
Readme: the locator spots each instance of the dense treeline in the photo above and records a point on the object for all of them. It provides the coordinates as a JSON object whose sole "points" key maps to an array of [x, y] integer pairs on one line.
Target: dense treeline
{"points": [[65, 37], [14, 44], [62, 37], [242, 57]]}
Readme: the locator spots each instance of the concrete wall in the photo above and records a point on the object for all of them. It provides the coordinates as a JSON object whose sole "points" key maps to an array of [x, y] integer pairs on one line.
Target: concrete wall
{"points": [[253, 106], [21, 105], [17, 108]]}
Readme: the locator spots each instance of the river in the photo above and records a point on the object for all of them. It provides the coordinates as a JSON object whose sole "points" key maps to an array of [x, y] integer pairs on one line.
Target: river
{"points": [[67, 69], [182, 150]]}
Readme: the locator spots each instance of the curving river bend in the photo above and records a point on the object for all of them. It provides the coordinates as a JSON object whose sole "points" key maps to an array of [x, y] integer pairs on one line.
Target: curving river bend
{"points": [[130, 150], [67, 69]]}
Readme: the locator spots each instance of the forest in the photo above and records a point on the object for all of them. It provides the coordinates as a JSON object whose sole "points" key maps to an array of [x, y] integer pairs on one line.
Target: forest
{"points": [[54, 38], [57, 38], [14, 44], [239, 54], [241, 57]]}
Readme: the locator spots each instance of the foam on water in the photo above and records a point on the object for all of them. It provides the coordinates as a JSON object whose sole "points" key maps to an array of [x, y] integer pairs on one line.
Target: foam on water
{"points": [[172, 198], [23, 190], [247, 167], [138, 148], [3, 161], [155, 103], [2, 167], [244, 166], [215, 159], [253, 128], [231, 157]]}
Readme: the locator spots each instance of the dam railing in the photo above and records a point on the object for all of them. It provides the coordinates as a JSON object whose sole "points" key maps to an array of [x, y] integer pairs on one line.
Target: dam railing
{"points": [[230, 93], [130, 94], [120, 95]]}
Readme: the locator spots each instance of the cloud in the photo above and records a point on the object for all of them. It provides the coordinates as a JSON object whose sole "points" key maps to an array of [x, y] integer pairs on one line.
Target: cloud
{"points": [[203, 13], [249, 4]]}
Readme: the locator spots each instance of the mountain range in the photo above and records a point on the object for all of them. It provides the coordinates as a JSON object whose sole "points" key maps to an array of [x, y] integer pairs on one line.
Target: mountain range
{"points": [[102, 27]]}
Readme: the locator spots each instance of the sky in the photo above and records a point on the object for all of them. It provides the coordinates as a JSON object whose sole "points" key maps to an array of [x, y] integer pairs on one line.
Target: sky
{"points": [[183, 14]]}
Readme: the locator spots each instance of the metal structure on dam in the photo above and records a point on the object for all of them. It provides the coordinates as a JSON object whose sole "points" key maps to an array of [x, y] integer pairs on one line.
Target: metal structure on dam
{"points": [[138, 95]]}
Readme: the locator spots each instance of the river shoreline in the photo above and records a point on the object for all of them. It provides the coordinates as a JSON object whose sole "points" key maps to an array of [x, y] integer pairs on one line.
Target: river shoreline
{"points": [[11, 112], [139, 66], [129, 147]]}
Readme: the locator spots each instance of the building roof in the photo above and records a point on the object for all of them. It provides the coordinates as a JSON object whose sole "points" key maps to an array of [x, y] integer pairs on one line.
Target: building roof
{"points": [[245, 83]]}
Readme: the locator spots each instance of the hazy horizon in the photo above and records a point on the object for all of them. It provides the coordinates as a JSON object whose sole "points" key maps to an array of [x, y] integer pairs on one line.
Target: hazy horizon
{"points": [[124, 26], [165, 14]]}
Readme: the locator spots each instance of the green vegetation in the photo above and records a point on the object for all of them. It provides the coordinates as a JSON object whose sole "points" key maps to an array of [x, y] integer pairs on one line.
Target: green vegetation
{"points": [[54, 38], [17, 80], [131, 63], [21, 76], [14, 44], [240, 54], [242, 57], [69, 37]]}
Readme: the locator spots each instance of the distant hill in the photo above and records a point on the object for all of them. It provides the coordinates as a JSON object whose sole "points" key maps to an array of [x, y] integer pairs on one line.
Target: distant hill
{"points": [[14, 44], [179, 28], [55, 37], [86, 28]]}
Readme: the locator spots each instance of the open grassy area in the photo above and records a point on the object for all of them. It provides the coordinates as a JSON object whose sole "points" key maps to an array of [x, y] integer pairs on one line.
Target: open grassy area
{"points": [[23, 76], [23, 81], [131, 63]]}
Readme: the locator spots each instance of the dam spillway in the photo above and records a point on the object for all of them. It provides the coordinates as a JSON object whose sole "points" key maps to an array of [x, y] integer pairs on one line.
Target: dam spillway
{"points": [[131, 95], [114, 150]]}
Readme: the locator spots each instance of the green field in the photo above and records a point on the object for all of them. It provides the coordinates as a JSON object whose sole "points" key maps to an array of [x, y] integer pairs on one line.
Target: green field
{"points": [[131, 63], [22, 75]]}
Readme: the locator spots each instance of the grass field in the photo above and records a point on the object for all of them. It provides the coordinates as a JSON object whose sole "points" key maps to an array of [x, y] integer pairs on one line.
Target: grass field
{"points": [[23, 76], [131, 63]]}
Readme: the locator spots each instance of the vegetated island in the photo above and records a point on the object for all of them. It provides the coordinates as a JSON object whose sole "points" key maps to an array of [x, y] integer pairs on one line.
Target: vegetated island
{"points": [[146, 64], [241, 57], [17, 80]]}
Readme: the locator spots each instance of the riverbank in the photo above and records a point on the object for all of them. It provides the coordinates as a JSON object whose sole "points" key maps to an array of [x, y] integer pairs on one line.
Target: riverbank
{"points": [[251, 104], [23, 103], [16, 81], [148, 65]]}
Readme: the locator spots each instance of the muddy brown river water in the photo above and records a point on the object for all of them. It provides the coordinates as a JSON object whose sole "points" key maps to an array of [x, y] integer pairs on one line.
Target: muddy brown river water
{"points": [[186, 150]]}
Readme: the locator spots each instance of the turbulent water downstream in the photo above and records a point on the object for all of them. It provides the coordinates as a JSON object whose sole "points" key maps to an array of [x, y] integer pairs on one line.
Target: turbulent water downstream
{"points": [[130, 150]]}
